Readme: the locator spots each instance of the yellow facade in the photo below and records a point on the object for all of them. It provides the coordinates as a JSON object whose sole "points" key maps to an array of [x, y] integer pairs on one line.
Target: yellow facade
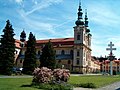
{"points": [[115, 66]]}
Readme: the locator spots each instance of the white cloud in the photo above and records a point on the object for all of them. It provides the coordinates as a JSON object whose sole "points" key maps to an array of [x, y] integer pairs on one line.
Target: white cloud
{"points": [[57, 26], [43, 26], [42, 4], [100, 43], [103, 15], [105, 23], [115, 40], [36, 25], [35, 1], [19, 1]]}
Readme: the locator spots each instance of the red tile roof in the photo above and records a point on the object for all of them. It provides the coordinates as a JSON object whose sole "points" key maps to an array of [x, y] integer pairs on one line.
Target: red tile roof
{"points": [[17, 43], [64, 41], [56, 40], [108, 61], [59, 41]]}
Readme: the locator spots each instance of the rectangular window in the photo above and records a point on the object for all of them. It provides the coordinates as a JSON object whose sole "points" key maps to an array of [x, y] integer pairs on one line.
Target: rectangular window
{"points": [[77, 61], [38, 52], [21, 61], [84, 54], [78, 37], [16, 51], [22, 52], [78, 53], [58, 52], [84, 37]]}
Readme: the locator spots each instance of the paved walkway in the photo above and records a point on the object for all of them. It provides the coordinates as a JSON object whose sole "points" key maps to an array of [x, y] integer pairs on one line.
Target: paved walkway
{"points": [[114, 86], [84, 74], [24, 76]]}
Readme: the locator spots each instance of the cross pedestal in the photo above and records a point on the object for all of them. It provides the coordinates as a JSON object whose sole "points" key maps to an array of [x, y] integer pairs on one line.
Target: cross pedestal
{"points": [[111, 58]]}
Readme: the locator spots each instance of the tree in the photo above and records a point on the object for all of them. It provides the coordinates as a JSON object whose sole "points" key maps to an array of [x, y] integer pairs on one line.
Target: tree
{"points": [[47, 58], [7, 49], [22, 44], [22, 38], [29, 63]]}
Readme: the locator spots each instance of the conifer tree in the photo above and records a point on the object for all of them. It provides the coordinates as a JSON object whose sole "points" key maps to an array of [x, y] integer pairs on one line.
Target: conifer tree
{"points": [[22, 43], [29, 63], [47, 58], [22, 38], [7, 49]]}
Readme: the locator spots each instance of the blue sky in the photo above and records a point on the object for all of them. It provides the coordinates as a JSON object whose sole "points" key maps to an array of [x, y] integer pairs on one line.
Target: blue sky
{"points": [[56, 19]]}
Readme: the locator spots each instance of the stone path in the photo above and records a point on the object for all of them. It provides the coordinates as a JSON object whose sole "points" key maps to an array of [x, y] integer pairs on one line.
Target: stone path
{"points": [[114, 86], [24, 76]]}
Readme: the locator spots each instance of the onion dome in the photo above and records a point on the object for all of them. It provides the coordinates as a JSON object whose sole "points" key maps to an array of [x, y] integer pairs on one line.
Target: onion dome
{"points": [[79, 21], [88, 30]]}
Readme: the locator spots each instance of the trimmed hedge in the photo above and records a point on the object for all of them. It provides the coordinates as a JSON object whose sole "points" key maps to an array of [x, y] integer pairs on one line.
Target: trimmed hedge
{"points": [[85, 85], [47, 86]]}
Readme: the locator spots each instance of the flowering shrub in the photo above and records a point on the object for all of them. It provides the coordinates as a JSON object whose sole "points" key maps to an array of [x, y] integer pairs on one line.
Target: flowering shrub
{"points": [[61, 75], [45, 75], [42, 75]]}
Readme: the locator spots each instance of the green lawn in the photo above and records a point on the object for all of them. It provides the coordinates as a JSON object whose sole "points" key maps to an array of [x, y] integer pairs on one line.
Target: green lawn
{"points": [[99, 81], [24, 83], [16, 84]]}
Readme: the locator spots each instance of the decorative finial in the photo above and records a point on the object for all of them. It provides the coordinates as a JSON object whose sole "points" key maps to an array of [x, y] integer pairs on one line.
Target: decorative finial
{"points": [[86, 19], [23, 29], [86, 12], [79, 2], [79, 21]]}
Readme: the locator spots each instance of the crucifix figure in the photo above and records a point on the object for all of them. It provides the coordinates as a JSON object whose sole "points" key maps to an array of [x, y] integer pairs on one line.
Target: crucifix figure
{"points": [[111, 57]]}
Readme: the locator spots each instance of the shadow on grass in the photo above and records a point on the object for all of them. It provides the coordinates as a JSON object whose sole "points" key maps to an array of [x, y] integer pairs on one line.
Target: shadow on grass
{"points": [[26, 85]]}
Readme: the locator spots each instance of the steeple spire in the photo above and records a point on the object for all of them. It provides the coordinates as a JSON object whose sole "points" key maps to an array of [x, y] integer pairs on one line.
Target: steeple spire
{"points": [[79, 2], [86, 18], [79, 21], [86, 21]]}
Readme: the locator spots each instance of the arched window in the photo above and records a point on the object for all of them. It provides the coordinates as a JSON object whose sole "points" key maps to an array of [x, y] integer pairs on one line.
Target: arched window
{"points": [[78, 37], [62, 52]]}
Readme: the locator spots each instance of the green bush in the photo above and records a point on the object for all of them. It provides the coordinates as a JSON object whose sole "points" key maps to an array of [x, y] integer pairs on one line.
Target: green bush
{"points": [[85, 85]]}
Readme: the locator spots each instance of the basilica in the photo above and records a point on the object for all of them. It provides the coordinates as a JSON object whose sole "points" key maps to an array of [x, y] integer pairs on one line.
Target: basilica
{"points": [[72, 53]]}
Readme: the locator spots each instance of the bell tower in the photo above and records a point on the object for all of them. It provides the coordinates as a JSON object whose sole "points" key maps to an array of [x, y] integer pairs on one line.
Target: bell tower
{"points": [[81, 39]]}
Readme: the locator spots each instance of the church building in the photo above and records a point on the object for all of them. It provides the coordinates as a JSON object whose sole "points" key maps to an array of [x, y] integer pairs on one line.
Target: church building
{"points": [[72, 53]]}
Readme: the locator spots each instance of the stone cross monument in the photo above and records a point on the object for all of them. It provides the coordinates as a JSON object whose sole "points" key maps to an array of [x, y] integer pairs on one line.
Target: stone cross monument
{"points": [[111, 57]]}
